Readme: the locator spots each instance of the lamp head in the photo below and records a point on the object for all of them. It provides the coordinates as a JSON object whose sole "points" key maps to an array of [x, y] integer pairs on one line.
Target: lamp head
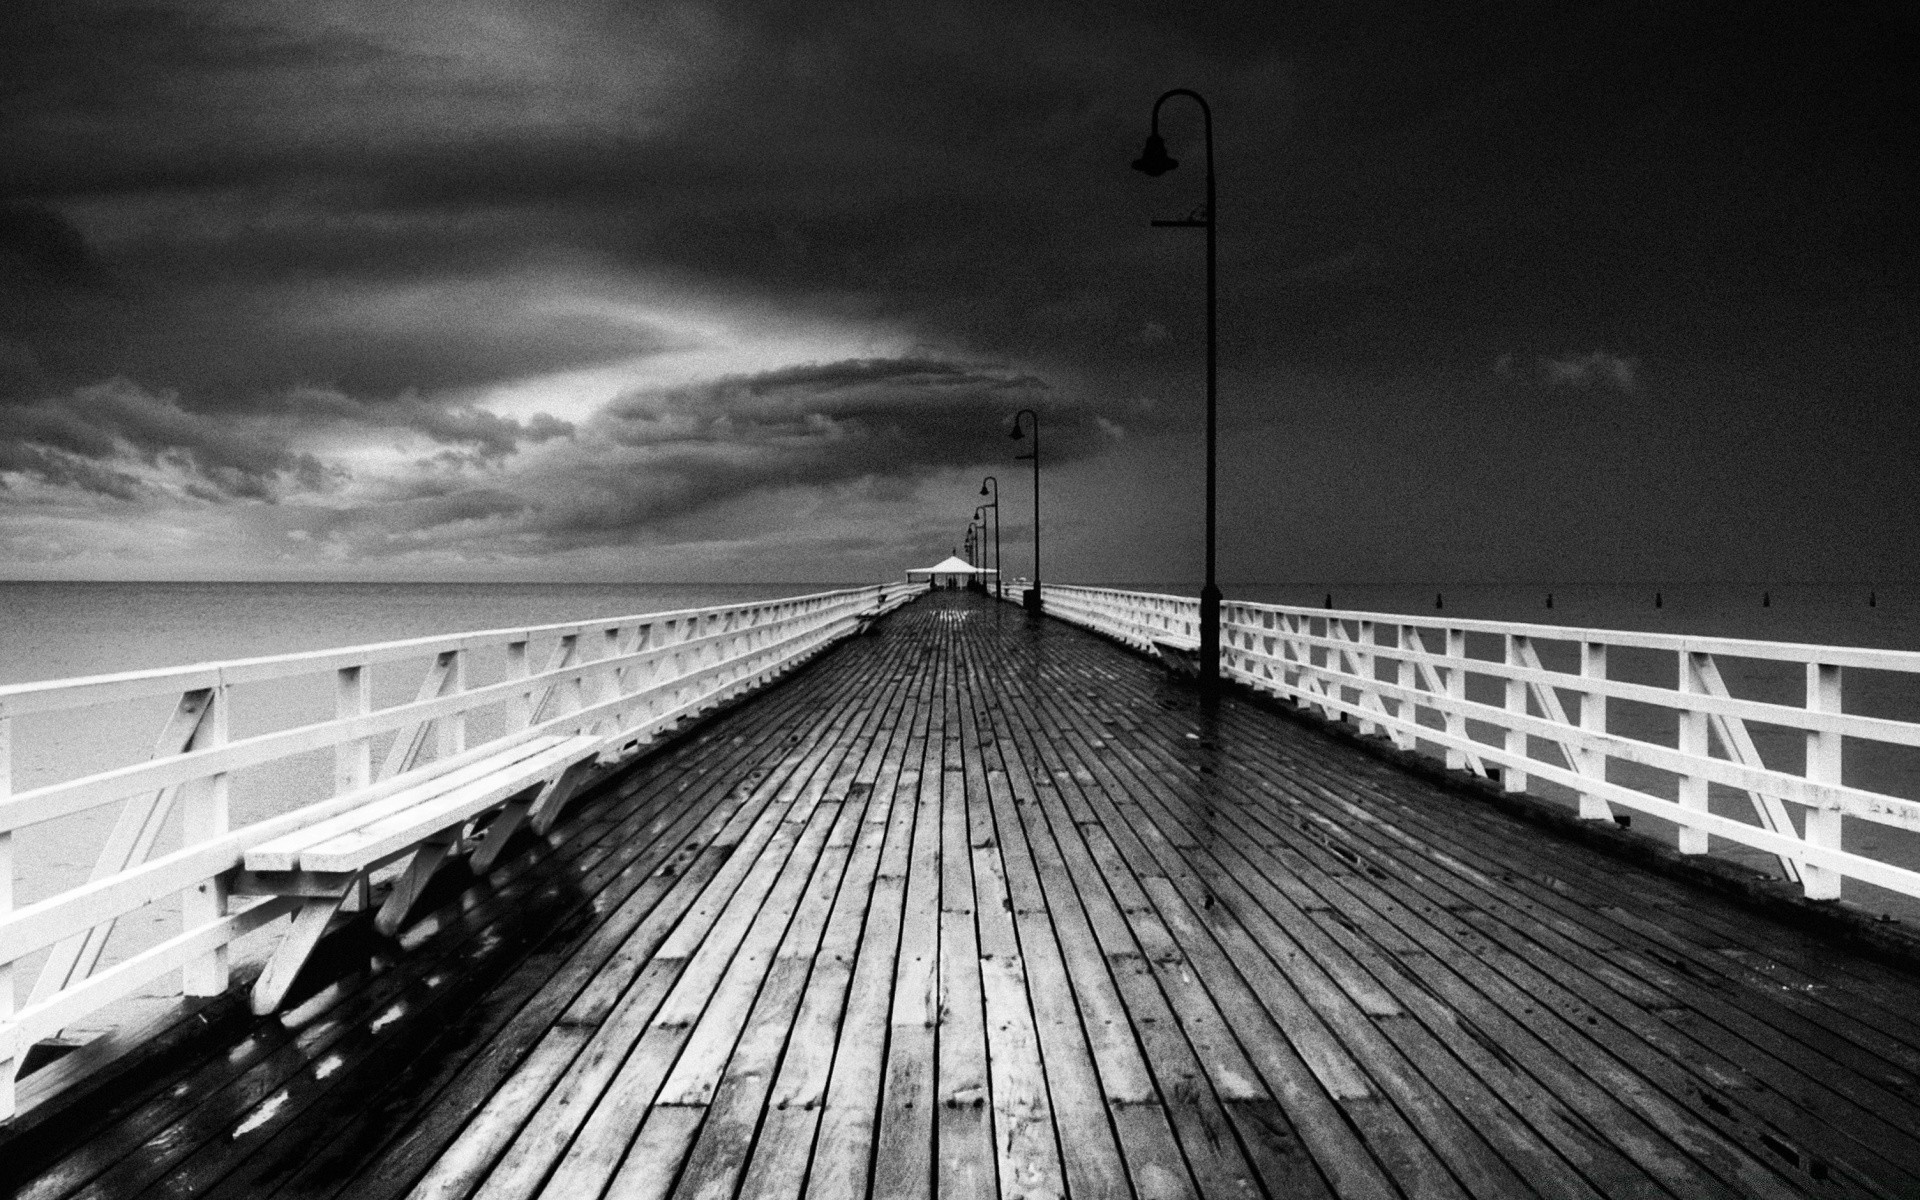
{"points": [[983, 489], [1017, 435], [1154, 160]]}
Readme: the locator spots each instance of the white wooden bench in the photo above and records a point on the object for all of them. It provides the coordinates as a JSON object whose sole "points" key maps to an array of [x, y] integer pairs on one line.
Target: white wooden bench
{"points": [[326, 864]]}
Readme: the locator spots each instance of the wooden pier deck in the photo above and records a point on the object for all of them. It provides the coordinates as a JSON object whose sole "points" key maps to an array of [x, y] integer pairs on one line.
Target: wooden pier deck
{"points": [[979, 906]]}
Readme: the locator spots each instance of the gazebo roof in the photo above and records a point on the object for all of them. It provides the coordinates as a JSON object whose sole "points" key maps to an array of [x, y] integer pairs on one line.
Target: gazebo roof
{"points": [[954, 565]]}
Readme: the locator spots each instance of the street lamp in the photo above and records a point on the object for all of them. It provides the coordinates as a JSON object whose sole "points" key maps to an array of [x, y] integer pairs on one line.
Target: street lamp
{"points": [[1034, 603], [999, 591], [979, 530], [1154, 160]]}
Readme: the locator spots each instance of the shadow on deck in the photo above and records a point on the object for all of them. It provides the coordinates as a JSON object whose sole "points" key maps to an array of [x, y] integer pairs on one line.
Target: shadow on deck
{"points": [[982, 906]]}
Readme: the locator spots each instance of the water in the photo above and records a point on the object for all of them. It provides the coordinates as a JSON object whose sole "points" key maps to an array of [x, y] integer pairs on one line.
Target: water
{"points": [[62, 630], [1820, 614]]}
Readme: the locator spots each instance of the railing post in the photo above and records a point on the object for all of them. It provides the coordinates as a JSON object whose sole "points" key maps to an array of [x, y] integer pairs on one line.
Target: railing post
{"points": [[1363, 667], [452, 728], [10, 1049], [1593, 719], [205, 816], [1405, 674], [1456, 696], [1512, 778], [649, 672], [519, 666], [569, 696], [1693, 744], [1303, 650], [1823, 766], [352, 759], [613, 683]]}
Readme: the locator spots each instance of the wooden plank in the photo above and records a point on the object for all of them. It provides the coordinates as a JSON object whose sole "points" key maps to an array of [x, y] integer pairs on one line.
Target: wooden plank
{"points": [[849, 1120], [1023, 1135], [654, 1161], [967, 1164], [903, 1162], [1023, 1131]]}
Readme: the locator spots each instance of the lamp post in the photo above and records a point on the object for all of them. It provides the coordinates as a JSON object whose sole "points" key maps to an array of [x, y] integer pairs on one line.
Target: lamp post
{"points": [[980, 519], [999, 591], [1155, 161], [1034, 603]]}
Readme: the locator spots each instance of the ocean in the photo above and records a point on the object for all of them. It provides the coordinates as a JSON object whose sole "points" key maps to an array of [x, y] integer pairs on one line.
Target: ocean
{"points": [[63, 630]]}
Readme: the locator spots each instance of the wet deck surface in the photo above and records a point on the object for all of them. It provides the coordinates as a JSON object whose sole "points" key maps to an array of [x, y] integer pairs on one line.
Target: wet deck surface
{"points": [[980, 907]]}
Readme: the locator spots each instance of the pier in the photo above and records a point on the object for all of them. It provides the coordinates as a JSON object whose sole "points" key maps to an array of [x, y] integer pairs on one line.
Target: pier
{"points": [[976, 903]]}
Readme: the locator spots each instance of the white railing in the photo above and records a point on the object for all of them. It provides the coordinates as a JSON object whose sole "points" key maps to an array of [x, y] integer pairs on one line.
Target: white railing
{"points": [[1411, 677], [625, 680], [1140, 619]]}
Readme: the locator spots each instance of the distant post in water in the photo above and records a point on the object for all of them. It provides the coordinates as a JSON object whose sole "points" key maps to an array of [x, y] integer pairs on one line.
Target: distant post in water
{"points": [[999, 592], [1155, 161], [1034, 603]]}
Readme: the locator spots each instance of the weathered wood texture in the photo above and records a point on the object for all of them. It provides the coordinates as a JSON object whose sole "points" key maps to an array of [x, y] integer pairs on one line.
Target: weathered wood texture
{"points": [[985, 907]]}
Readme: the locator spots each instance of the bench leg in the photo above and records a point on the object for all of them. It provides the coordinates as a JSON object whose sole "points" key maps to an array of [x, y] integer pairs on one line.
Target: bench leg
{"points": [[281, 970], [501, 830], [407, 888], [554, 796]]}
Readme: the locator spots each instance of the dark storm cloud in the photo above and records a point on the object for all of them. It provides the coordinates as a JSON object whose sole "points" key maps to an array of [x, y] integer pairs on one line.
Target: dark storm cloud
{"points": [[655, 457], [79, 440], [488, 435], [94, 437], [1463, 167]]}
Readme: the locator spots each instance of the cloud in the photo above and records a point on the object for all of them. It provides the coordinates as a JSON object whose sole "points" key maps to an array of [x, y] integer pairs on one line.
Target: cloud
{"points": [[654, 457], [346, 479], [119, 440], [485, 434], [1597, 369]]}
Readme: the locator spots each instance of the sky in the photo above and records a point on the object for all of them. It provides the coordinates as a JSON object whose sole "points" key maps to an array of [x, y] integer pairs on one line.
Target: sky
{"points": [[598, 290]]}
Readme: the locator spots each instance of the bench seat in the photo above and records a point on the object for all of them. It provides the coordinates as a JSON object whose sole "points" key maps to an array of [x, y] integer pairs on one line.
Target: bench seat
{"points": [[283, 853], [329, 861], [372, 836]]}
